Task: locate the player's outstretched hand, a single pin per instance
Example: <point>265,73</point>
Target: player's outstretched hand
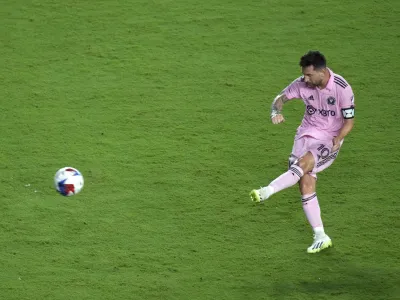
<point>278,118</point>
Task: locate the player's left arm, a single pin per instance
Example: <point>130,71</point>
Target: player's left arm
<point>347,106</point>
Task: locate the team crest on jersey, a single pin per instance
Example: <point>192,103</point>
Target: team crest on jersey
<point>331,101</point>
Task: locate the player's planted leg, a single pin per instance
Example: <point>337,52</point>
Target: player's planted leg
<point>313,213</point>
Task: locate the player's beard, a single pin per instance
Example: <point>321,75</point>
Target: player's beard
<point>311,85</point>
<point>314,85</point>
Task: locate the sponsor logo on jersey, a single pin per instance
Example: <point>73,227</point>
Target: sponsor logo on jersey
<point>323,112</point>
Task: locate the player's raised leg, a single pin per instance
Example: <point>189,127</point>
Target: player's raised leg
<point>312,211</point>
<point>287,179</point>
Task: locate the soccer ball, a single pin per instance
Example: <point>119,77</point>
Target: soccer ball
<point>68,181</point>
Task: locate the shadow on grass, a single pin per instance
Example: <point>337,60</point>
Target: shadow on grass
<point>342,280</point>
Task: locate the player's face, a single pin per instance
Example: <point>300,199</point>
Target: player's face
<point>313,77</point>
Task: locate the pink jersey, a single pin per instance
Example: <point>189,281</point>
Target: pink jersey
<point>326,109</point>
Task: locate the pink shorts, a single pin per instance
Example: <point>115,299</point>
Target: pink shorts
<point>320,149</point>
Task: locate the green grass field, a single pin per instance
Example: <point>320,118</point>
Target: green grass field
<point>164,108</point>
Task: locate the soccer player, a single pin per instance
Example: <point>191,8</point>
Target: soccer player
<point>328,118</point>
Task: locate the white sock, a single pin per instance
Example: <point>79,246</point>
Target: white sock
<point>319,232</point>
<point>266,192</point>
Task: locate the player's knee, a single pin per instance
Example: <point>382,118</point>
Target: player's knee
<point>306,162</point>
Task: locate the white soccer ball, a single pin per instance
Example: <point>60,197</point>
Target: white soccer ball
<point>68,181</point>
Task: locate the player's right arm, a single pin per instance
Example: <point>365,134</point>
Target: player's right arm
<point>276,109</point>
<point>290,92</point>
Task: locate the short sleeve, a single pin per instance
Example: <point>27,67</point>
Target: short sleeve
<point>346,98</point>
<point>293,90</point>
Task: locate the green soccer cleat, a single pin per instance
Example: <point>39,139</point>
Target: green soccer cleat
<point>320,244</point>
<point>255,196</point>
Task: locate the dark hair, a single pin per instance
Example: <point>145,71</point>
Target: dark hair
<point>313,58</point>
